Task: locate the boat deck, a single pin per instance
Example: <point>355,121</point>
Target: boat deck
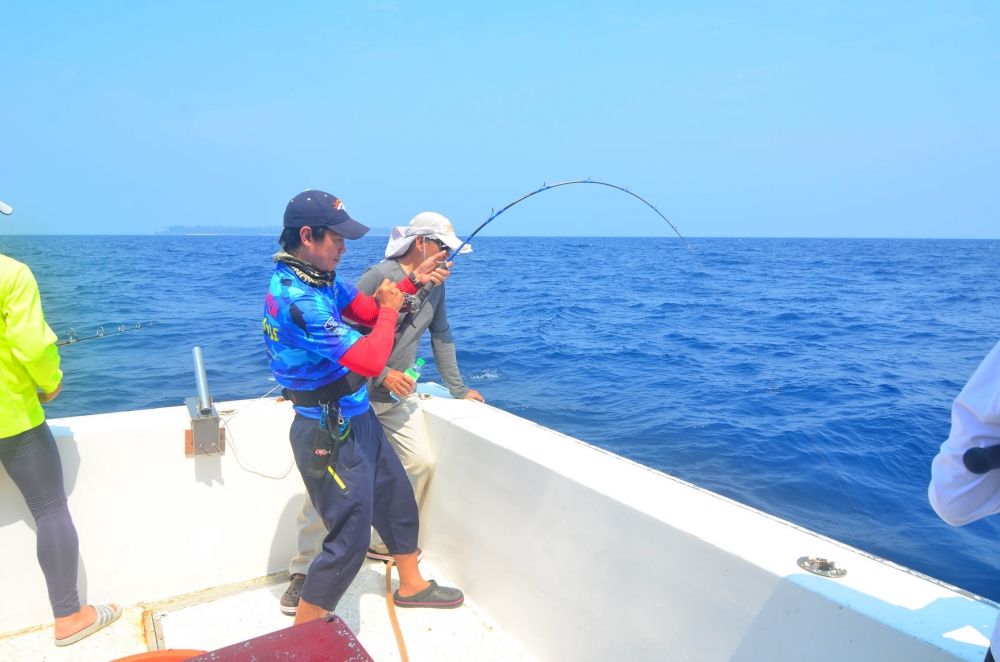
<point>219,617</point>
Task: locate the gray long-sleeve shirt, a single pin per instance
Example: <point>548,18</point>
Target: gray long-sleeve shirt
<point>432,315</point>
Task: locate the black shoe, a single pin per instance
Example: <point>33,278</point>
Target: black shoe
<point>434,596</point>
<point>290,600</point>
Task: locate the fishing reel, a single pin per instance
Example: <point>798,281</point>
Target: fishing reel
<point>411,303</point>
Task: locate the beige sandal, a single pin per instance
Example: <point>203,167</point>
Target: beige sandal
<point>106,615</point>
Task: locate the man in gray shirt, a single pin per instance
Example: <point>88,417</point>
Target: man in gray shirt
<point>401,417</point>
<point>427,234</point>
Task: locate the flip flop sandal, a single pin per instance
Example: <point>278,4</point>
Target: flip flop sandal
<point>434,596</point>
<point>106,615</point>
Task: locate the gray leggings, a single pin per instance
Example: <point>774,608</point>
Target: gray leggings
<point>32,460</point>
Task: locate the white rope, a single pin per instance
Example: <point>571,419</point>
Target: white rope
<point>232,440</point>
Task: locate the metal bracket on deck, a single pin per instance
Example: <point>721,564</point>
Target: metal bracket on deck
<point>821,567</point>
<point>205,437</point>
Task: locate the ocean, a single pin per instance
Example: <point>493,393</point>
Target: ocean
<point>809,378</point>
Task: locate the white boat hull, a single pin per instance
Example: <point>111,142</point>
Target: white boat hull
<point>574,552</point>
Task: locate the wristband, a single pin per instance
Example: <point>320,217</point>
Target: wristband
<point>413,279</point>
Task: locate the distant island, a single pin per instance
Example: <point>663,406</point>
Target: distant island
<point>264,230</point>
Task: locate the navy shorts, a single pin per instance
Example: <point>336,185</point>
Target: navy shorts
<point>376,493</point>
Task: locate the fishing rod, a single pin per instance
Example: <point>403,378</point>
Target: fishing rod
<point>424,292</point>
<point>546,187</point>
<point>72,337</point>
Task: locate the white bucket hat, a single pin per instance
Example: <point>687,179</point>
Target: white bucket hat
<point>425,224</point>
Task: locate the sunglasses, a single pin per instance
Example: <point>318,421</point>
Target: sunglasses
<point>437,242</point>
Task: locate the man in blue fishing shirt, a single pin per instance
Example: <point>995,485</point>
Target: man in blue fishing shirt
<point>392,393</point>
<point>339,446</point>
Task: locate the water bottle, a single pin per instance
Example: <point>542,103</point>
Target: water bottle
<point>413,372</point>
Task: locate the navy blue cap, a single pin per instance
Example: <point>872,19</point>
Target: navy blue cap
<point>319,208</point>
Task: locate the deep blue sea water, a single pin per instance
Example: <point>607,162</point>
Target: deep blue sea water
<point>809,378</point>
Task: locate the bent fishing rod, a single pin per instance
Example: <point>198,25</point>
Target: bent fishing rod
<point>72,337</point>
<point>422,295</point>
<point>546,187</point>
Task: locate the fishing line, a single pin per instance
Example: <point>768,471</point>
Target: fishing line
<point>72,337</point>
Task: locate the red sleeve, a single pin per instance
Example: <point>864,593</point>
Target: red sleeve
<point>368,355</point>
<point>364,310</point>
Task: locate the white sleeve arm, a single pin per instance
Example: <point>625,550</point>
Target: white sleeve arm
<point>957,495</point>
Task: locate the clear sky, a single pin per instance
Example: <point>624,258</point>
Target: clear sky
<point>795,119</point>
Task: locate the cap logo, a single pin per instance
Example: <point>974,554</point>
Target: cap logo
<point>338,205</point>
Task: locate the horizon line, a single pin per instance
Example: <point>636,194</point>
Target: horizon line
<point>505,236</point>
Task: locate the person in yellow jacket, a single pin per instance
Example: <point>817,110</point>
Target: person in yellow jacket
<point>29,377</point>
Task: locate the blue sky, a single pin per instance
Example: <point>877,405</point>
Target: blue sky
<point>839,119</point>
